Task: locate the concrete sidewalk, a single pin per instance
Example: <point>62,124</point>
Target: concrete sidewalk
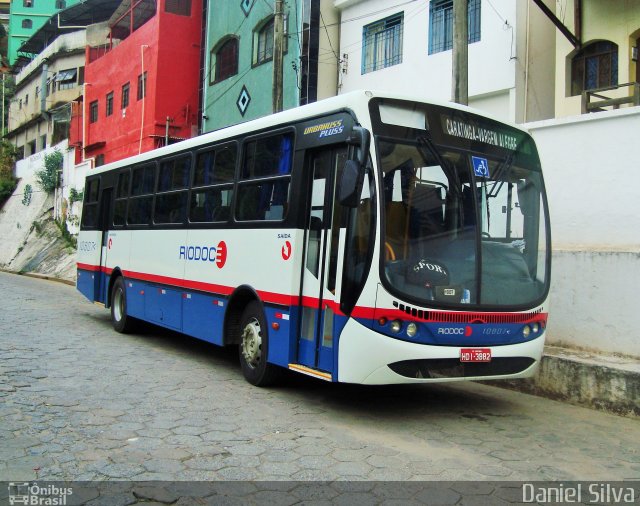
<point>599,381</point>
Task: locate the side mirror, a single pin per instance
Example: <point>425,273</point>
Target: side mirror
<point>351,183</point>
<point>353,171</point>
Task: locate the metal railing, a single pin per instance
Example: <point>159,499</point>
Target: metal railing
<point>594,100</point>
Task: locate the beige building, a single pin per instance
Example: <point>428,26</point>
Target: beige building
<point>606,60</point>
<point>39,113</point>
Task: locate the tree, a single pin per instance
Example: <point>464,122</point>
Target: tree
<point>48,178</point>
<point>8,183</point>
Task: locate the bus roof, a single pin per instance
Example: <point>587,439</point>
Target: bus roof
<point>357,101</point>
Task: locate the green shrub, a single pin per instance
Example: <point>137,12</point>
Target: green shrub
<point>26,196</point>
<point>49,177</point>
<point>69,240</point>
<point>7,186</point>
<point>75,195</point>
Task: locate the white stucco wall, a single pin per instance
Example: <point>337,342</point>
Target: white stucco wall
<point>492,63</point>
<point>591,170</point>
<point>72,177</point>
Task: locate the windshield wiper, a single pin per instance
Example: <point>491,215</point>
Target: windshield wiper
<point>425,141</point>
<point>505,166</point>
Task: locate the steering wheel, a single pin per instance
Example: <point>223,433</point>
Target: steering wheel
<point>389,253</point>
<point>486,234</point>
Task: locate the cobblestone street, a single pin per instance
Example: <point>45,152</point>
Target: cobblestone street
<point>81,402</point>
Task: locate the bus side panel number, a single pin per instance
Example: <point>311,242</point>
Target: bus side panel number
<point>475,355</point>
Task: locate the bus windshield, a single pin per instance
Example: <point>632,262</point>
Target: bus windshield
<point>463,225</point>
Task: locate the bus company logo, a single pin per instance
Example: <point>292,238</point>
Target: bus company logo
<point>286,251</point>
<point>455,331</point>
<point>214,254</point>
<point>33,494</point>
<point>326,129</point>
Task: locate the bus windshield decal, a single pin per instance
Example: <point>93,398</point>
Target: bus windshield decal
<point>469,131</point>
<point>480,166</point>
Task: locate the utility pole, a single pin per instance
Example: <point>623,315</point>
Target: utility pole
<point>460,81</point>
<point>4,74</point>
<point>278,52</point>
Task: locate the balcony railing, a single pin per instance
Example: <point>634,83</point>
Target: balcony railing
<point>95,53</point>
<point>594,100</point>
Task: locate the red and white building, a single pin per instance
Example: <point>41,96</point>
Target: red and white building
<point>142,80</point>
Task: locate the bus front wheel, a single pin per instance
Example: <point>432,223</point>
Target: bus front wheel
<point>122,322</point>
<point>254,346</point>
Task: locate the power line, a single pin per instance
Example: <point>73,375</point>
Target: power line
<point>328,37</point>
<point>298,33</point>
<point>210,103</point>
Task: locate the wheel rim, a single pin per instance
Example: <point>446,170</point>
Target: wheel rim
<point>118,305</point>
<point>251,343</point>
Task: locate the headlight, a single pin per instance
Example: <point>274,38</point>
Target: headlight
<point>526,331</point>
<point>535,327</point>
<point>412,329</point>
<point>396,326</point>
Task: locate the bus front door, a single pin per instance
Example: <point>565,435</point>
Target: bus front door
<point>322,270</point>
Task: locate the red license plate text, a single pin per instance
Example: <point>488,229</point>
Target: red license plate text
<point>475,355</point>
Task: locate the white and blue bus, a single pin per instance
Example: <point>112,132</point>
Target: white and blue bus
<point>368,238</point>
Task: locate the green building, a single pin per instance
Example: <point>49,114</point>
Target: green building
<point>239,58</point>
<point>26,17</point>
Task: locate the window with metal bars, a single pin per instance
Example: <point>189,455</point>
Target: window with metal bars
<point>142,86</point>
<point>125,95</point>
<point>109,103</point>
<point>225,57</point>
<point>441,24</point>
<point>595,66</point>
<point>93,111</point>
<point>180,7</point>
<point>264,42</point>
<point>382,43</point>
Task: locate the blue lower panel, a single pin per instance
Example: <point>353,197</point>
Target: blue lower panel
<point>135,298</point>
<point>203,316</point>
<point>88,283</point>
<point>281,347</point>
<point>163,306</point>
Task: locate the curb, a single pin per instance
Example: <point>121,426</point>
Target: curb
<point>40,276</point>
<point>602,382</point>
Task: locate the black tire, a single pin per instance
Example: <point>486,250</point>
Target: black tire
<point>121,321</point>
<point>253,348</point>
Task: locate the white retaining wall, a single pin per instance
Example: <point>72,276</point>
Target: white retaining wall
<point>16,218</point>
<point>592,174</point>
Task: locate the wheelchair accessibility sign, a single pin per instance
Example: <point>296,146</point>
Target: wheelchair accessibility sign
<point>480,166</point>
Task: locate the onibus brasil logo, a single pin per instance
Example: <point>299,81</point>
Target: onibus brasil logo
<point>36,495</point>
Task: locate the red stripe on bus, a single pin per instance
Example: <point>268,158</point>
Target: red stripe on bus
<point>359,312</point>
<point>88,267</point>
<point>94,268</point>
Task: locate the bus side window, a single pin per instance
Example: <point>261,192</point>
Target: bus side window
<point>122,194</point>
<point>267,157</point>
<point>90,207</point>
<point>210,204</point>
<point>140,203</point>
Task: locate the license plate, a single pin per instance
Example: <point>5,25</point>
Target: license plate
<point>475,355</point>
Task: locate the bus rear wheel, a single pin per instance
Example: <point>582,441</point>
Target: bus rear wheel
<point>254,347</point>
<point>122,322</point>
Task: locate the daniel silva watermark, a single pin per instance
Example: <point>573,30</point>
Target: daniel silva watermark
<point>584,493</point>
